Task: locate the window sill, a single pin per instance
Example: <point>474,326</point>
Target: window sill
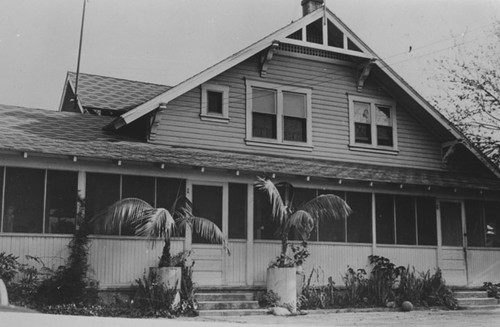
<point>216,119</point>
<point>276,145</point>
<point>373,149</point>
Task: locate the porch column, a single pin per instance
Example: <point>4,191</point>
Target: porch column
<point>374,227</point>
<point>250,244</point>
<point>82,189</point>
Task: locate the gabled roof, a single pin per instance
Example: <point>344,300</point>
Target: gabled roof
<point>71,134</point>
<point>282,35</point>
<point>109,93</point>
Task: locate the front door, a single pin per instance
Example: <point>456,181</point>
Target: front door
<point>453,254</point>
<point>209,201</point>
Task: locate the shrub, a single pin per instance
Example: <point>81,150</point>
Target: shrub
<point>410,287</point>
<point>435,291</point>
<point>9,267</point>
<point>268,299</point>
<point>493,290</point>
<point>382,279</point>
<point>356,288</point>
<point>318,297</point>
<point>152,297</point>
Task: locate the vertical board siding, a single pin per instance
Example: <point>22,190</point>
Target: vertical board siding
<point>180,124</point>
<point>422,259</point>
<point>483,266</point>
<point>330,260</point>
<point>235,263</point>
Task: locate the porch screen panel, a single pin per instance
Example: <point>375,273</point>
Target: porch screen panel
<point>170,191</point>
<point>426,221</point>
<point>60,209</point>
<point>264,227</point>
<point>1,196</point>
<point>359,223</point>
<point>451,223</point>
<point>24,191</point>
<point>384,206</point>
<point>300,197</point>
<point>332,230</point>
<point>140,187</point>
<point>474,217</point>
<point>207,203</point>
<point>405,220</point>
<point>492,219</point>
<point>237,211</point>
<point>102,191</point>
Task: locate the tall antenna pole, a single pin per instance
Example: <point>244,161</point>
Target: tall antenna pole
<point>79,55</point>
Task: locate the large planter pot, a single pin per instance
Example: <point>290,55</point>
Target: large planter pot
<point>171,278</point>
<point>283,282</point>
<point>300,279</point>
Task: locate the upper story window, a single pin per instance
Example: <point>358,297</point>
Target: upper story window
<point>372,123</point>
<point>278,115</point>
<point>215,103</point>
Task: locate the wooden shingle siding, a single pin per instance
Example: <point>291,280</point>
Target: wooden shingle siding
<point>330,83</point>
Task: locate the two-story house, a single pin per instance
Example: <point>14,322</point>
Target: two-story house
<point>310,104</point>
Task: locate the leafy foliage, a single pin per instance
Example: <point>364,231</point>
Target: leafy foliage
<point>410,287</point>
<point>471,93</point>
<point>382,279</point>
<point>493,290</point>
<point>436,292</point>
<point>268,299</point>
<point>318,297</point>
<point>9,267</point>
<point>356,286</point>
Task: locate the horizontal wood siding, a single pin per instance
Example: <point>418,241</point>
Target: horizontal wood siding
<point>180,123</point>
<point>207,270</point>
<point>453,266</point>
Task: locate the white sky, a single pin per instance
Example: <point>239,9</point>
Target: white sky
<point>167,41</point>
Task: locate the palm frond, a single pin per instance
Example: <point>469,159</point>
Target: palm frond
<point>327,207</point>
<point>278,208</point>
<point>208,230</point>
<point>302,221</point>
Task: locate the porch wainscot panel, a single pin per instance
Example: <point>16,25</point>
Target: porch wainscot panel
<point>422,258</point>
<point>483,266</point>
<point>331,259</point>
<point>119,261</point>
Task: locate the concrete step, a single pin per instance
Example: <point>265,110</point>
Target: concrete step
<point>225,296</point>
<point>243,312</point>
<point>463,302</point>
<point>227,305</point>
<point>471,294</point>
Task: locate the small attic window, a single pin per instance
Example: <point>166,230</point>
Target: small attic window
<point>314,32</point>
<point>335,36</point>
<point>352,46</point>
<point>215,103</point>
<point>297,35</point>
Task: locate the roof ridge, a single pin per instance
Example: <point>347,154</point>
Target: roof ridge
<point>118,78</point>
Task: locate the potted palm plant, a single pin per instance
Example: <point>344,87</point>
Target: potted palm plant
<point>281,274</point>
<point>161,224</point>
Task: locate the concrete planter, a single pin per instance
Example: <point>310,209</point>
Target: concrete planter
<point>283,282</point>
<point>171,278</point>
<point>300,279</point>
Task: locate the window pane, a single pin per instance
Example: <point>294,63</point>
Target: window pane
<point>384,205</point>
<point>359,223</point>
<point>207,203</point>
<point>214,102</point>
<point>300,197</point>
<point>24,189</point>
<point>294,105</point>
<point>102,191</point>
<point>140,187</point>
<point>237,211</point>
<point>264,125</point>
<point>492,219</point>
<point>384,116</point>
<point>363,133</point>
<point>426,221</point>
<point>384,135</point>
<point>264,227</point>
<point>263,101</point>
<point>295,129</point>
<point>405,220</point>
<point>168,190</point>
<point>362,112</point>
<point>62,194</point>
<point>332,230</point>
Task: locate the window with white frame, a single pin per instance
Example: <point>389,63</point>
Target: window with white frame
<point>372,123</point>
<point>215,103</point>
<point>278,115</point>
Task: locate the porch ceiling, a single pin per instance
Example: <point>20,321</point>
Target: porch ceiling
<point>68,134</point>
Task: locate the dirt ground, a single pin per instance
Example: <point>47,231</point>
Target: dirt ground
<point>432,318</point>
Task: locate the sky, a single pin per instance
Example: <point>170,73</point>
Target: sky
<point>168,41</point>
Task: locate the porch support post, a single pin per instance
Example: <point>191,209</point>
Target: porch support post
<point>188,237</point>
<point>439,249</point>
<point>374,227</point>
<point>81,188</point>
<point>250,243</point>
